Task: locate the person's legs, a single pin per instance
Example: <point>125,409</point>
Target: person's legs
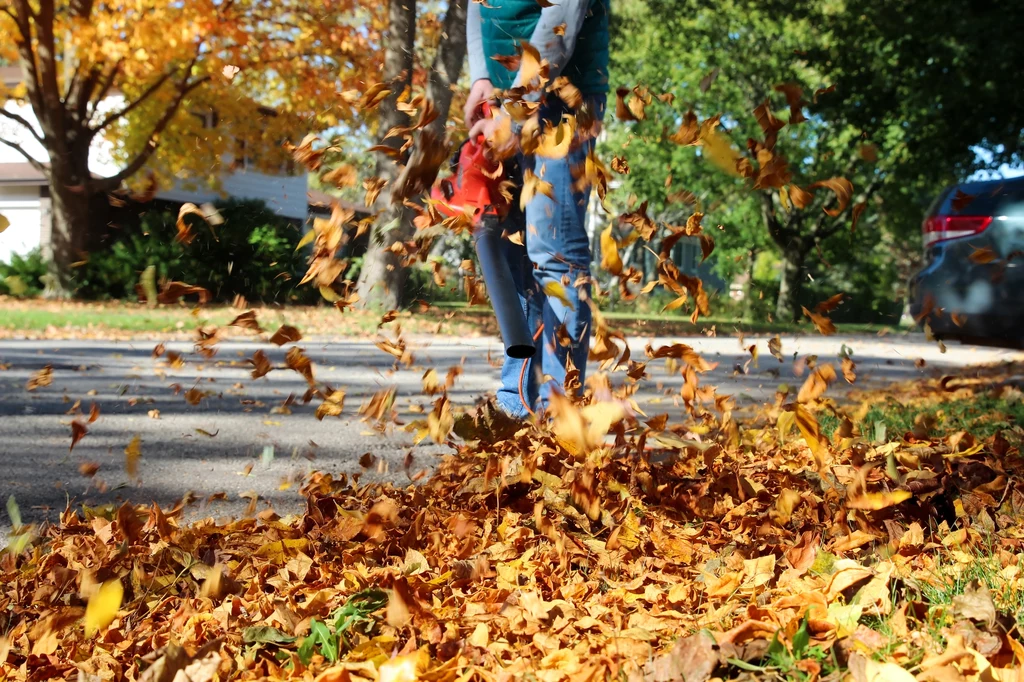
<point>559,248</point>
<point>518,384</point>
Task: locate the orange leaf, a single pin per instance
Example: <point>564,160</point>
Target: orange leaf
<point>823,324</point>
<point>843,189</point>
<point>817,383</point>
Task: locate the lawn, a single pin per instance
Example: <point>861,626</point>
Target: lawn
<point>53,319</point>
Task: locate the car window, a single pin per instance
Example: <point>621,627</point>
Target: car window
<point>1001,197</point>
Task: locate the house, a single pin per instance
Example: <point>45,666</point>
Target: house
<point>25,195</point>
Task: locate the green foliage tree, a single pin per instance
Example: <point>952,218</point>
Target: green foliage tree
<point>252,254</point>
<point>868,119</point>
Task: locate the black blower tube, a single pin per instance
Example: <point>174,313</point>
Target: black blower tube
<point>502,289</point>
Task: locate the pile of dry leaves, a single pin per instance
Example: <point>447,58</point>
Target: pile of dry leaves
<point>593,547</point>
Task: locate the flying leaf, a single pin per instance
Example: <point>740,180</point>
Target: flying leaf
<point>132,453</point>
<point>533,185</point>
<point>707,245</point>
<point>247,320</point>
<point>610,259</point>
<point>40,378</point>
<point>843,189</point>
<point>556,290</point>
<point>858,208</point>
<point>849,369</point>
<point>800,197</point>
<point>982,256</point>
<point>286,334</point>
<point>823,91</point>
<point>794,98</point>
<point>719,150</point>
<point>770,125</point>
<point>103,606</point>
<point>173,291</point>
<point>829,304</point>
<point>623,112</point>
<point>207,212</point>
<point>530,65</point>
<point>4,223</point>
<point>817,383</point>
<point>706,81</point>
<point>78,431</point>
<point>689,131</point>
<point>876,501</point>
<point>962,200</point>
<point>822,323</point>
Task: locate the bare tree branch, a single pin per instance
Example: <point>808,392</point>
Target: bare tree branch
<point>38,165</point>
<point>22,18</point>
<point>104,89</point>
<point>131,106</point>
<point>24,123</point>
<point>114,181</point>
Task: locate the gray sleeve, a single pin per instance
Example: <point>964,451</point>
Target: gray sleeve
<point>557,49</point>
<point>475,44</point>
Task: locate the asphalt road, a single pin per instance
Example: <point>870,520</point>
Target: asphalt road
<point>238,441</point>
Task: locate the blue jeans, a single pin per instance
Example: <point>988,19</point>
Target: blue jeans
<point>556,247</point>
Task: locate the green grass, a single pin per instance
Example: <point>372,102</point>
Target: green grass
<point>131,320</point>
<point>980,415</point>
<point>667,323</point>
<point>139,319</point>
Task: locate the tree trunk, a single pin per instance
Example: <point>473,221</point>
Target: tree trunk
<point>748,286</point>
<point>382,279</point>
<point>71,226</point>
<point>788,306</point>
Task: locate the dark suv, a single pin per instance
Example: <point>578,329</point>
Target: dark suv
<point>971,287</point>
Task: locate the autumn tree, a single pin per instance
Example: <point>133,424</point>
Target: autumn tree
<point>150,76</point>
<point>383,275</point>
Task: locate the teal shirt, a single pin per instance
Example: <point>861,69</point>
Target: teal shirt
<point>505,23</point>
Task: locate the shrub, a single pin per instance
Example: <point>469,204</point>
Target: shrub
<point>252,253</point>
<point>23,275</point>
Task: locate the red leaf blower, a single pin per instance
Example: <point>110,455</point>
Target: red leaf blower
<point>473,189</point>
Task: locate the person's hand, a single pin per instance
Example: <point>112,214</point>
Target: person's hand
<point>481,91</point>
<point>497,134</point>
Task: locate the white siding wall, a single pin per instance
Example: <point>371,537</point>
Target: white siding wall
<point>21,206</point>
<point>285,195</point>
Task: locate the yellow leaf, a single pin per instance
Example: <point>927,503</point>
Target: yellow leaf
<point>785,425</point>
<point>4,222</point>
<point>406,668</point>
<point>718,150</point>
<point>306,239</point>
<point>103,606</point>
<point>786,502</point>
<point>132,453</point>
<point>759,571</point>
<point>277,551</point>
<point>885,672</point>
<point>600,417</point>
<point>554,142</point>
<point>532,185</point>
<point>610,259</point>
<point>530,64</point>
<point>876,501</point>
<point>811,432</point>
<point>556,290</point>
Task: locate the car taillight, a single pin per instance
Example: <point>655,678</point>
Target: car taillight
<point>942,227</point>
